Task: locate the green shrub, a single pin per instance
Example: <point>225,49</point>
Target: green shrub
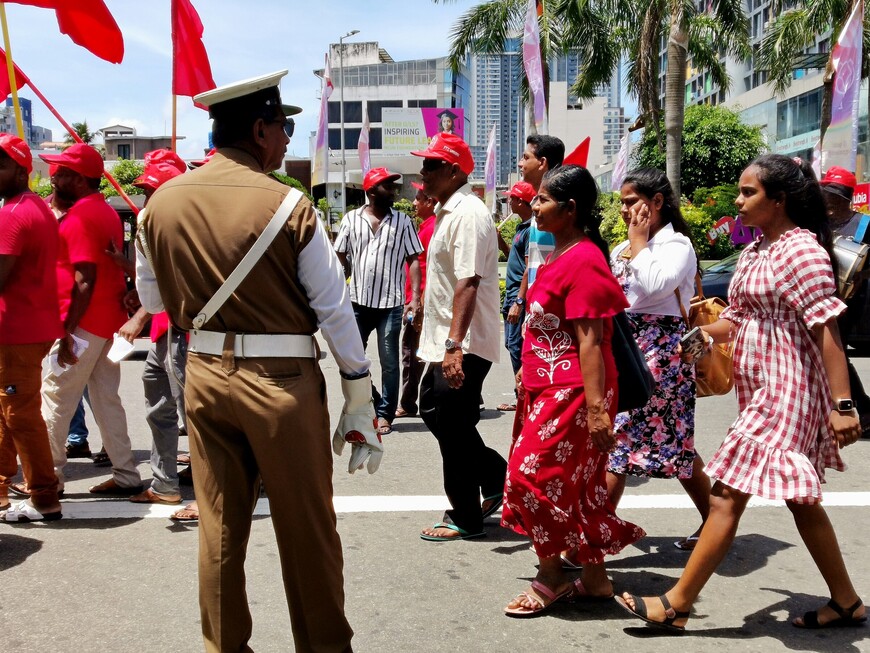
<point>613,228</point>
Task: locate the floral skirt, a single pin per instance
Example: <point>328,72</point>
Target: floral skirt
<point>658,440</point>
<point>556,490</point>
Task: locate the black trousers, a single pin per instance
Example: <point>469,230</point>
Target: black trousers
<point>471,469</point>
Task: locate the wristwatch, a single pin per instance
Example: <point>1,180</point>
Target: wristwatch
<point>452,344</point>
<point>519,301</point>
<point>845,405</point>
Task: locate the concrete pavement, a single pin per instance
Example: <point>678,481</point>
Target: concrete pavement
<point>123,580</point>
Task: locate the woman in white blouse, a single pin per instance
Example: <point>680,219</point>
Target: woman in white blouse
<point>658,440</point>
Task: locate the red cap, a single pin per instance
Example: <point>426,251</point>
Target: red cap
<point>205,159</point>
<point>156,174</point>
<point>80,158</point>
<point>165,156</point>
<point>17,150</point>
<point>450,148</point>
<point>377,176</point>
<point>52,169</point>
<point>841,176</point>
<point>417,186</point>
<point>522,190</point>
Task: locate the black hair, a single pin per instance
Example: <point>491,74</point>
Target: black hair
<point>794,182</point>
<point>576,183</point>
<point>547,147</point>
<point>233,119</point>
<point>650,182</point>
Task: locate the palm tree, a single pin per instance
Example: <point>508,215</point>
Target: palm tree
<point>603,31</point>
<point>795,29</point>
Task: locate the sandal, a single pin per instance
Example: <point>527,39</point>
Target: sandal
<point>101,458</point>
<point>568,564</point>
<point>687,543</point>
<point>384,427</point>
<point>505,408</point>
<point>542,592</point>
<point>23,512</point>
<point>188,513</point>
<point>493,507</point>
<point>579,594</point>
<point>846,618</point>
<point>462,534</point>
<point>640,612</point>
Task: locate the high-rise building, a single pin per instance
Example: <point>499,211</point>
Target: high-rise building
<point>33,134</point>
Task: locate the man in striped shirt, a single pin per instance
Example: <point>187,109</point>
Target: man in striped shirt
<point>373,244</point>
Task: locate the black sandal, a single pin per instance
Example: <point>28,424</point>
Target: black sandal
<point>671,615</point>
<point>847,618</point>
<point>101,458</point>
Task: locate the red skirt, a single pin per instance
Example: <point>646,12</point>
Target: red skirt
<point>556,488</point>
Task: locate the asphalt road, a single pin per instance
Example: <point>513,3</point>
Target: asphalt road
<point>112,576</point>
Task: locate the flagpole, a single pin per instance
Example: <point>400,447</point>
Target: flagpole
<point>174,120</point>
<point>72,132</point>
<point>10,69</point>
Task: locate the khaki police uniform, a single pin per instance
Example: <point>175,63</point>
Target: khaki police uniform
<point>251,417</point>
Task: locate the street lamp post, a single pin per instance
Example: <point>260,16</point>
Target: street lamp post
<point>341,115</point>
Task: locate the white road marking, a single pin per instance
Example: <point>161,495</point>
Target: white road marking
<point>122,509</point>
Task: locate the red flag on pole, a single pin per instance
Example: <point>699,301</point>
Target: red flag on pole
<point>20,78</point>
<point>580,154</point>
<point>89,23</point>
<point>191,71</point>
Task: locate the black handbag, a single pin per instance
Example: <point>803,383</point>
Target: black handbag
<point>636,382</point>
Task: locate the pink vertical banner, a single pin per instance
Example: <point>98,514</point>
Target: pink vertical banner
<point>621,165</point>
<point>365,157</point>
<point>489,172</point>
<point>533,65</point>
<point>840,146</point>
<point>320,173</point>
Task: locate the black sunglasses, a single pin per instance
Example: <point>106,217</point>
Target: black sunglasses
<point>430,165</point>
<point>288,124</point>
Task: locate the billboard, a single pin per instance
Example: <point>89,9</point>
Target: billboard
<point>404,130</point>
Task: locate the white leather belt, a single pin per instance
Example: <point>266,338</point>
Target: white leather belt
<point>254,345</point>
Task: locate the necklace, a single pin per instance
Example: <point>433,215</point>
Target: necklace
<point>564,248</point>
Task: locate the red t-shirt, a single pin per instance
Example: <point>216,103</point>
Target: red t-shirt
<point>578,284</point>
<point>28,301</point>
<point>424,233</point>
<point>85,232</point>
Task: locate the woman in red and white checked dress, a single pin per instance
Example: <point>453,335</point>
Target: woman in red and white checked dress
<point>556,489</point>
<point>792,390</point>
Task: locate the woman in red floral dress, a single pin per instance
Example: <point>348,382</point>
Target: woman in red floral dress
<point>556,490</point>
<point>792,391</point>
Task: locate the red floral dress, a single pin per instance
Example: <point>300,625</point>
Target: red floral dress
<point>555,489</point>
<point>781,442</point>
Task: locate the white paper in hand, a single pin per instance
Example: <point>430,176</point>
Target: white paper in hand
<point>79,346</point>
<point>120,349</point>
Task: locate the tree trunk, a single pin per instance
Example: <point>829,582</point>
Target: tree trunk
<point>675,90</point>
<point>827,98</point>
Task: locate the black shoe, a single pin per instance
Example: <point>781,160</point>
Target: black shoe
<point>78,450</point>
<point>101,458</point>
<point>185,477</point>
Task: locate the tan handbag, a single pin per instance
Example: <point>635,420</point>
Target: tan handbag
<point>714,373</point>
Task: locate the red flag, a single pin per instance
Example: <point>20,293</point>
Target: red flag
<point>191,71</point>
<point>20,77</point>
<point>89,23</point>
<point>580,154</point>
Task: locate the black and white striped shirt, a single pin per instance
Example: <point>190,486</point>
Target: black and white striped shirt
<point>377,259</point>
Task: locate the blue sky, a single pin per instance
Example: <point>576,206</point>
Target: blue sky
<point>243,39</point>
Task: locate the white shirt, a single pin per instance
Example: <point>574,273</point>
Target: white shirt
<point>667,262</point>
<point>463,245</point>
<point>321,275</point>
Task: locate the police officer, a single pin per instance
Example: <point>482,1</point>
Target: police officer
<point>255,396</point>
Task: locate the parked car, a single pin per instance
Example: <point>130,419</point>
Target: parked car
<point>717,278</point>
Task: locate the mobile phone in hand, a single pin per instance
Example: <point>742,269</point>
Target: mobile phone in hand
<point>694,345</point>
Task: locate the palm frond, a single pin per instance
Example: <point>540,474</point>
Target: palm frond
<point>786,37</point>
<point>484,29</point>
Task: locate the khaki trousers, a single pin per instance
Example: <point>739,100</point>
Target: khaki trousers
<point>253,419</point>
<point>61,394</point>
<point>22,429</point>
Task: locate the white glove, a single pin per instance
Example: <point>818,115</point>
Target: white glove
<point>358,425</point>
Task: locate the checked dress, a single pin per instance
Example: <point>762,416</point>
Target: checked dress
<point>556,481</point>
<point>781,442</point>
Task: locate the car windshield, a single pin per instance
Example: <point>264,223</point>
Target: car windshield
<point>727,264</point>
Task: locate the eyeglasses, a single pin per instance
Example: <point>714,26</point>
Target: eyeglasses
<point>288,124</point>
<point>431,165</point>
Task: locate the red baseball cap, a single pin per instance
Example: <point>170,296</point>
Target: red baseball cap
<point>156,174</point>
<point>165,156</point>
<point>522,190</point>
<point>450,148</point>
<point>80,158</point>
<point>201,162</point>
<point>377,176</point>
<point>17,150</point>
<point>838,175</point>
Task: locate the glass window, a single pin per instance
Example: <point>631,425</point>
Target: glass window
<point>124,151</point>
<point>374,108</point>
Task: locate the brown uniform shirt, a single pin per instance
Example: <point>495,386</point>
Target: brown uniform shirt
<point>201,224</point>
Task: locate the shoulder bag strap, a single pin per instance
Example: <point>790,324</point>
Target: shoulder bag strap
<point>250,259</point>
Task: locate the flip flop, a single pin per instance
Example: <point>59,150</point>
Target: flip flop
<point>687,543</point>
<point>846,618</point>
<point>23,512</point>
<point>505,408</point>
<point>185,514</point>
<point>579,594</point>
<point>384,427</point>
<point>542,591</point>
<point>568,564</point>
<point>494,508</point>
<point>641,613</point>
<point>463,534</point>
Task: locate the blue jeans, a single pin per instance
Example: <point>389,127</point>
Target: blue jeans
<point>513,340</point>
<point>388,324</point>
<point>78,430</point>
